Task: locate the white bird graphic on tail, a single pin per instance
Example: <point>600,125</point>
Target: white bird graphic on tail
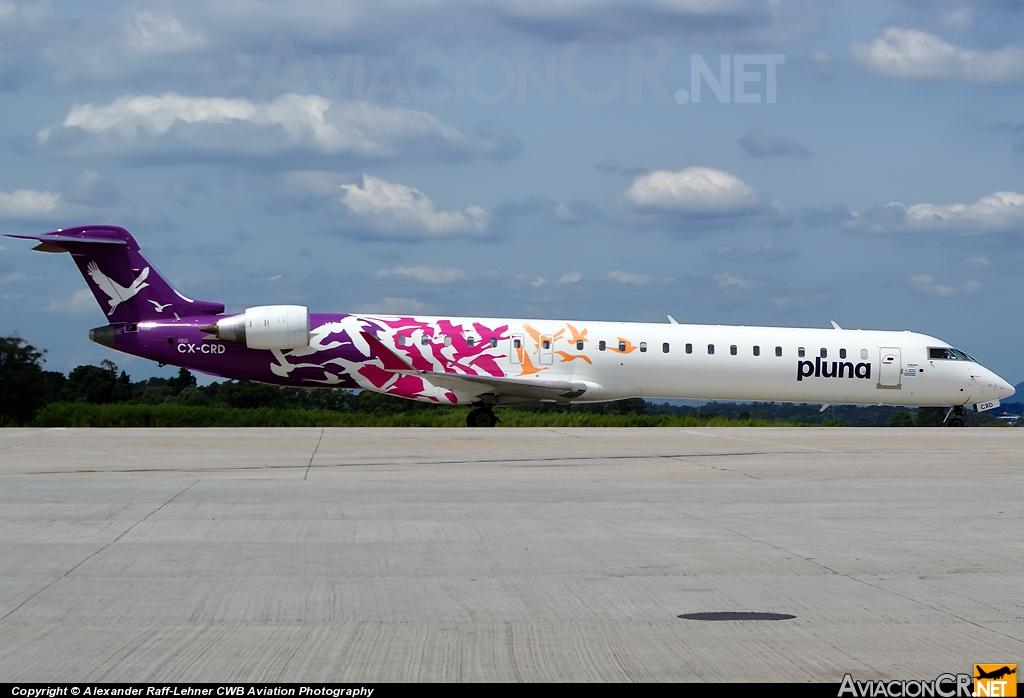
<point>117,293</point>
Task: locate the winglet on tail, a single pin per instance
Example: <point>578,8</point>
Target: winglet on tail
<point>125,285</point>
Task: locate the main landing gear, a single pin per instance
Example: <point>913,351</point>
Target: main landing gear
<point>481,417</point>
<point>955,416</point>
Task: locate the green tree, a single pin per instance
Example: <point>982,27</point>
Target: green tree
<point>95,384</point>
<point>930,416</point>
<point>183,380</point>
<point>23,385</point>
<point>901,418</point>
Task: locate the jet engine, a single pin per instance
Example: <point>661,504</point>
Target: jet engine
<point>265,327</point>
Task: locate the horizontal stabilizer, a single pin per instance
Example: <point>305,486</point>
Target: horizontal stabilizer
<point>54,239</point>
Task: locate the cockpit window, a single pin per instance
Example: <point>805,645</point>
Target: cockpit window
<point>949,353</point>
<point>964,356</point>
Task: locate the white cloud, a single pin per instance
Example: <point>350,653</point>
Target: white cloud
<point>738,20</point>
<point>29,204</point>
<point>820,58</point>
<point>159,33</point>
<point>404,212</point>
<point>86,197</point>
<point>392,306</point>
<point>999,212</point>
<point>928,284</point>
<point>698,192</point>
<point>570,277</point>
<point>758,145</point>
<point>635,279</point>
<point>977,262</point>
<point>80,300</point>
<point>564,214</point>
<point>730,281</point>
<point>183,126</point>
<point>535,281</point>
<point>914,54</point>
<point>12,277</point>
<point>739,282</point>
<point>429,275</point>
<point>958,19</point>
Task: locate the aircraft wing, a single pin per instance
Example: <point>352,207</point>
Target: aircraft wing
<point>530,389</point>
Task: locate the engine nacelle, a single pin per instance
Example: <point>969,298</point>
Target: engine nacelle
<point>266,327</point>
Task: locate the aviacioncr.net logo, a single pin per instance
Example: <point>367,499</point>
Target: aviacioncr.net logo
<point>943,686</point>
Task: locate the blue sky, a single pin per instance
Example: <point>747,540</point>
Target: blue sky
<point>858,162</point>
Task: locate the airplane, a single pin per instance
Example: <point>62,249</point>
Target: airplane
<point>995,674</point>
<point>485,362</point>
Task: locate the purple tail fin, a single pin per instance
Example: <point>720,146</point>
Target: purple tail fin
<point>125,285</point>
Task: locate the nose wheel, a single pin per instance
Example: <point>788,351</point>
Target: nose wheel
<point>481,417</point>
<point>955,416</point>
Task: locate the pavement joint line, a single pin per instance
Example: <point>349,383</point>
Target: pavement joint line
<point>774,443</point>
<point>641,455</point>
<point>825,567</point>
<point>32,432</point>
<point>683,457</point>
<point>313,455</point>
<point>96,552</point>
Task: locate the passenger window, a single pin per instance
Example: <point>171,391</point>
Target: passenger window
<point>824,352</point>
<point>643,347</point>
<point>864,353</point>
<point>401,340</point>
<point>732,350</point>
<point>689,348</point>
<point>778,351</point>
<point>579,345</point>
<point>447,340</point>
<point>842,353</point>
<point>711,349</point>
<point>494,342</point>
<point>664,348</point>
<point>757,350</point>
<point>470,341</point>
<point>517,343</point>
<point>800,352</point>
<point>602,345</point>
<point>424,340</point>
<point>547,343</point>
<point>622,346</point>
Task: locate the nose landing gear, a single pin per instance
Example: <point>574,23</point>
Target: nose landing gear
<point>955,416</point>
<point>481,417</point>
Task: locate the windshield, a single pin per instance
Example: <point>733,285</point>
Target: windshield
<point>949,353</point>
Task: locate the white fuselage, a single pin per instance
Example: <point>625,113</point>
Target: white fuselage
<point>721,362</point>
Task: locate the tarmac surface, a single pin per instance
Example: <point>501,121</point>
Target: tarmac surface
<point>365,555</point>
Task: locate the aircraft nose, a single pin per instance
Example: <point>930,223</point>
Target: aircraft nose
<point>1004,389</point>
<point>998,387</point>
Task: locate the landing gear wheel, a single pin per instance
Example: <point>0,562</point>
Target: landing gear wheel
<point>481,418</point>
<point>955,422</point>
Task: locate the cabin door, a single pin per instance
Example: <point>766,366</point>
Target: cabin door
<point>890,367</point>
